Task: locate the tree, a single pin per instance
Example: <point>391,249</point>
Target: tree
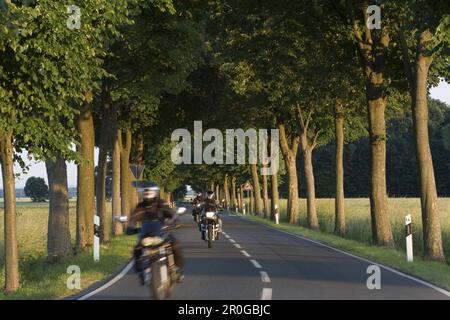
<point>36,189</point>
<point>424,31</point>
<point>373,47</point>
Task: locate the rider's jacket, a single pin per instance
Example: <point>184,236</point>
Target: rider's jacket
<point>211,205</point>
<point>152,210</point>
<point>197,200</point>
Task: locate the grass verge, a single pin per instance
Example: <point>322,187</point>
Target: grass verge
<point>437,273</point>
<point>42,280</point>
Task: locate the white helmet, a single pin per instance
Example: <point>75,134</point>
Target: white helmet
<point>150,193</point>
<point>210,194</point>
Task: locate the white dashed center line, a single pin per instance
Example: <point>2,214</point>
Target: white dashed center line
<point>245,253</point>
<point>264,276</point>
<point>256,264</point>
<point>266,292</point>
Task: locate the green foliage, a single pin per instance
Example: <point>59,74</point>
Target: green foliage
<point>36,189</point>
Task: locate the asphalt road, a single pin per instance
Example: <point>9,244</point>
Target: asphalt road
<point>253,262</point>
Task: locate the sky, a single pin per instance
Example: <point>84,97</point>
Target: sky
<point>37,169</point>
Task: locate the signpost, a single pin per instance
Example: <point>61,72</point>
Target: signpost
<point>409,244</point>
<point>96,238</point>
<point>247,187</point>
<point>137,170</point>
<point>277,215</point>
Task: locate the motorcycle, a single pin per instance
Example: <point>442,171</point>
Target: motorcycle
<point>157,265</point>
<point>210,226</point>
<point>155,261</point>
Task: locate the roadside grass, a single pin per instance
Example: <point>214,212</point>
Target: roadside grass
<point>357,241</point>
<point>42,280</point>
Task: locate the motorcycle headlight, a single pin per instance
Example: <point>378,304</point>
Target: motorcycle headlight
<point>210,215</point>
<point>152,241</point>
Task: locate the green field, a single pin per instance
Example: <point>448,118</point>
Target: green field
<point>41,280</point>
<point>358,219</point>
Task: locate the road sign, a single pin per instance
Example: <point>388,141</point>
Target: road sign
<point>247,186</point>
<point>137,170</point>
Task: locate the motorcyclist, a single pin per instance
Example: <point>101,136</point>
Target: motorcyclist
<point>153,212</point>
<point>211,204</point>
<point>195,210</point>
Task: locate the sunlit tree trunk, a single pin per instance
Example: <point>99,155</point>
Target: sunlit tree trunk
<point>233,193</point>
<point>432,234</point>
<point>11,257</point>
<point>290,155</point>
<point>58,236</point>
<point>85,183</point>
<point>116,205</point>
<point>339,225</point>
<point>265,193</point>
<point>125,173</point>
<point>257,190</point>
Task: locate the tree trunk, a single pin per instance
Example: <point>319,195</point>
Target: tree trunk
<point>241,199</point>
<point>339,225</point>
<point>275,198</point>
<point>257,190</point>
<point>381,226</point>
<point>226,189</point>
<point>290,155</point>
<point>265,196</point>
<point>312,220</point>
<point>432,237</point>
<point>217,192</point>
<point>85,179</point>
<point>234,205</point>
<point>373,53</point>
<point>252,203</point>
<point>58,236</point>
<point>125,173</point>
<point>116,206</point>
<point>102,172</point>
<point>10,228</point>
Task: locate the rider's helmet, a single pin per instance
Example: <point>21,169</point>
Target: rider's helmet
<point>210,194</point>
<point>150,193</point>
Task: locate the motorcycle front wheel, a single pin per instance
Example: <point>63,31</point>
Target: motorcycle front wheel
<point>160,286</point>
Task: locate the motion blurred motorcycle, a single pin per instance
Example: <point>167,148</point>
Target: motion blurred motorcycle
<point>154,258</point>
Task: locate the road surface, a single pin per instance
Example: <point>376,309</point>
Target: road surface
<point>253,262</point>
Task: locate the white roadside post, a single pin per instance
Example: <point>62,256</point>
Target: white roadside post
<point>277,215</point>
<point>409,244</point>
<point>96,238</point>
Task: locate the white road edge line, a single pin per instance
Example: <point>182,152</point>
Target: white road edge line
<point>232,241</point>
<point>432,286</point>
<point>264,277</point>
<point>109,283</point>
<point>245,253</point>
<point>266,294</point>
<point>227,236</point>
<point>256,264</point>
<point>237,245</point>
